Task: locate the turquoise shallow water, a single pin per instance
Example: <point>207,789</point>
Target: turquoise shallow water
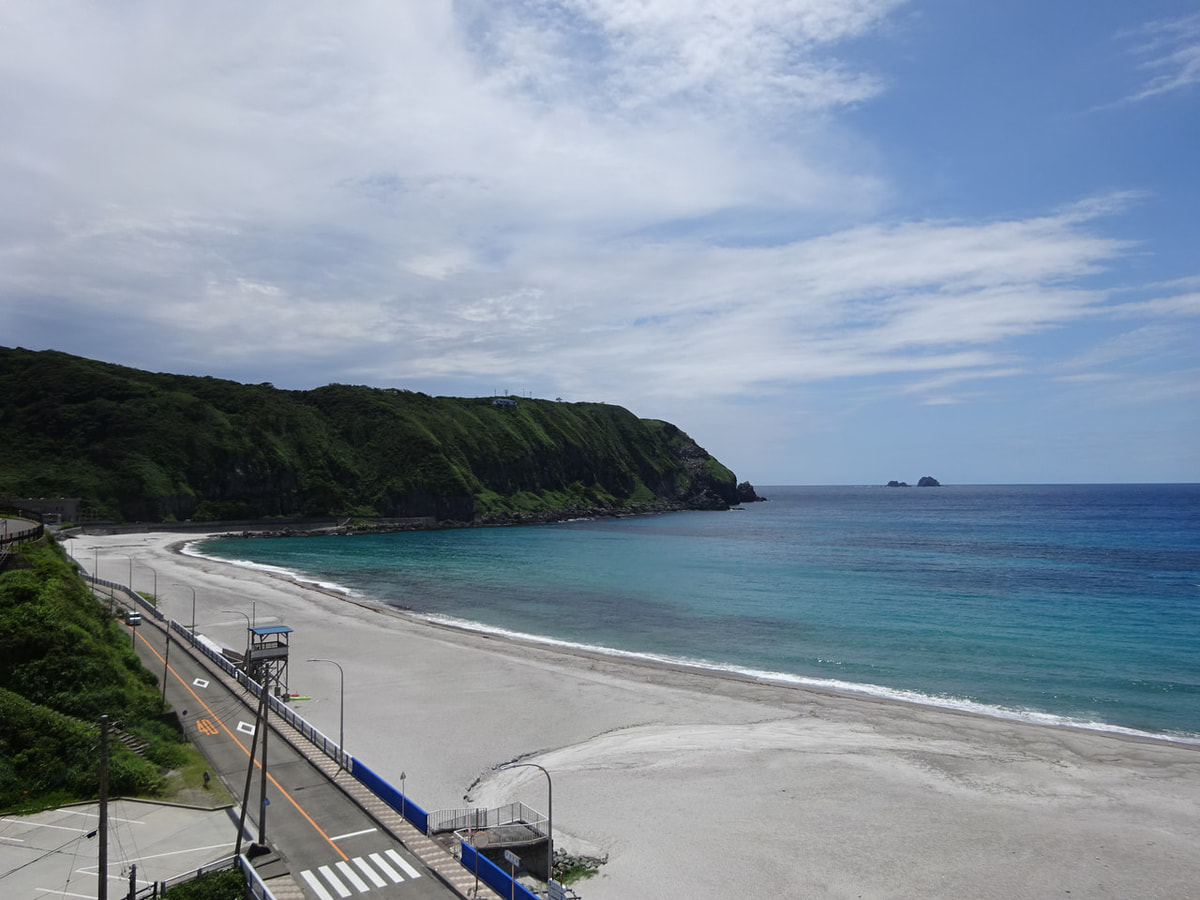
<point>1057,603</point>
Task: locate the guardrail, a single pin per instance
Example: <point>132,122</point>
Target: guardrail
<point>492,875</point>
<point>518,813</point>
<point>10,537</point>
<point>255,887</point>
<point>487,871</point>
<point>392,797</point>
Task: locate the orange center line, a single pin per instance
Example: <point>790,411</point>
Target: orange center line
<point>225,728</point>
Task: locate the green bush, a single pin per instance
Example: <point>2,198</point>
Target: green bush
<point>63,664</point>
<point>227,885</point>
<point>157,447</point>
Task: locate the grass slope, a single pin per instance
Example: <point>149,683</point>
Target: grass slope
<point>64,662</point>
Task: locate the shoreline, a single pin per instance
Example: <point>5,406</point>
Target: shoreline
<point>698,667</point>
<point>710,784</point>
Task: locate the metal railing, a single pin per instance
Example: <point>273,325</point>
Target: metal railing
<point>314,736</point>
<point>323,743</point>
<point>510,814</point>
<point>256,888</point>
<point>36,528</point>
<point>480,818</point>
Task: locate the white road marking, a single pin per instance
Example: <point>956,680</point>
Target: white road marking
<point>46,825</point>
<point>334,881</point>
<point>352,876</point>
<point>387,870</point>
<point>318,888</point>
<point>402,863</point>
<point>342,837</point>
<point>201,682</point>
<point>245,728</point>
<point>369,872</point>
<point>96,815</point>
<point>188,850</point>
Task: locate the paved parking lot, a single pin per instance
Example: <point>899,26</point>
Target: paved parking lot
<point>51,855</point>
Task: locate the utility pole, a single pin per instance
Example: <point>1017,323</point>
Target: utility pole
<point>102,887</point>
<point>266,728</point>
<point>262,699</point>
<point>166,668</point>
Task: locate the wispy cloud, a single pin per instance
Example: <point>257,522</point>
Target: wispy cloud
<point>628,58</point>
<point>1170,52</point>
<point>634,200</point>
<point>1178,305</point>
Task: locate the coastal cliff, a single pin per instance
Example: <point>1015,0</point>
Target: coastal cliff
<point>141,446</point>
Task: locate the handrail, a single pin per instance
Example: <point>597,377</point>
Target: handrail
<point>33,533</point>
<point>479,818</point>
<point>368,779</point>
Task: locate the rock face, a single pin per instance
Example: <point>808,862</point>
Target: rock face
<point>747,494</point>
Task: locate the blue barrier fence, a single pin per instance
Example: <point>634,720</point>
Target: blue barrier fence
<point>392,797</point>
<point>492,875</point>
<point>488,872</point>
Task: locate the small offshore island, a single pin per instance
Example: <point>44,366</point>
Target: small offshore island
<point>926,481</point>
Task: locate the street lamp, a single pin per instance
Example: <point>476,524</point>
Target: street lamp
<point>193,590</point>
<point>155,571</point>
<point>246,657</point>
<point>341,711</point>
<point>549,815</point>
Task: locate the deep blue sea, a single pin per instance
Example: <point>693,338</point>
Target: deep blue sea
<point>1057,603</point>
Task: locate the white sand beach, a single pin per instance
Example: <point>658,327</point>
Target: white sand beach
<point>703,786</point>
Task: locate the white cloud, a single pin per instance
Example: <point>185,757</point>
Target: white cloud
<point>1179,305</point>
<point>631,56</point>
<point>632,200</point>
<point>1170,49</point>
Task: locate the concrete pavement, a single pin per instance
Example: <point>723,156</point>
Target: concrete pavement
<point>53,854</point>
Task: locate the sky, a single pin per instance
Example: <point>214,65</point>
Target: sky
<point>835,241</point>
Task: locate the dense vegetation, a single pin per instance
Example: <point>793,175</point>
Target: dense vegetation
<point>64,662</point>
<point>227,885</point>
<point>154,447</point>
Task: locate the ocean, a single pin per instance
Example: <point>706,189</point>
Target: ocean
<point>1062,604</point>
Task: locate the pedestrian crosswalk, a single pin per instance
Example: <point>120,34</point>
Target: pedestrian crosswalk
<point>344,879</point>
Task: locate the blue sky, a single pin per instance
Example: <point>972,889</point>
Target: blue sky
<point>837,241</point>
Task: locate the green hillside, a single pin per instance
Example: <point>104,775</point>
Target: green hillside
<point>64,662</point>
<point>141,446</point>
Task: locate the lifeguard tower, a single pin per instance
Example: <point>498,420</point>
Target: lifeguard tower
<point>267,659</point>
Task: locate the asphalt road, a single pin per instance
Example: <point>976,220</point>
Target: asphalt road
<point>331,847</point>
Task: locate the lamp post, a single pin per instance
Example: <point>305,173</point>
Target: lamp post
<point>549,815</point>
<point>155,571</point>
<point>341,711</point>
<point>246,656</point>
<point>193,590</point>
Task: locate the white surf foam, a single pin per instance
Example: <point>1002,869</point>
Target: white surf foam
<point>828,684</point>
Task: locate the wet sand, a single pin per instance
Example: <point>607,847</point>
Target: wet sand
<point>706,786</point>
